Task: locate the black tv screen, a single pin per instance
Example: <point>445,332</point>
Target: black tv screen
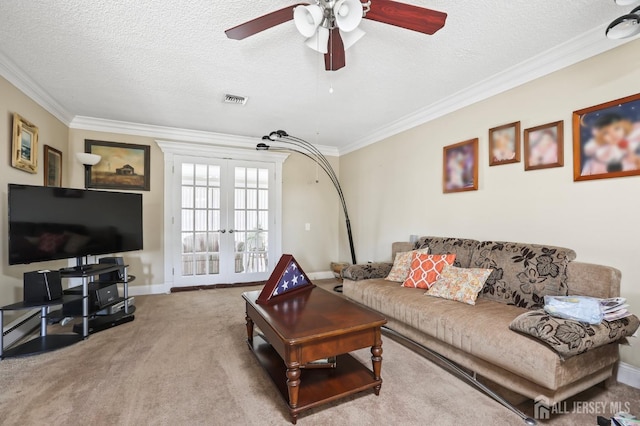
<point>47,223</point>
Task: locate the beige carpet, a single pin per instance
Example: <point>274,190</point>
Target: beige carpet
<point>184,361</point>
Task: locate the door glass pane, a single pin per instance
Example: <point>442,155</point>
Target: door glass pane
<point>251,219</point>
<point>200,219</point>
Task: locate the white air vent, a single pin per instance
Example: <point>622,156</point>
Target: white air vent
<point>233,99</point>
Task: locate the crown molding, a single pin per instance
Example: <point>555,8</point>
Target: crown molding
<point>215,150</point>
<point>14,75</point>
<point>175,134</point>
<point>572,51</point>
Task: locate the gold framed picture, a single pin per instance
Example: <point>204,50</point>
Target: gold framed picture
<point>52,167</point>
<point>24,147</point>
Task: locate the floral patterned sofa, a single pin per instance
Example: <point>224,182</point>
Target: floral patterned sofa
<point>477,337</point>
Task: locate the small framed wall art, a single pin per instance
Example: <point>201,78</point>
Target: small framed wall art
<point>460,167</point>
<point>606,140</point>
<point>544,146</point>
<point>123,166</point>
<point>24,147</point>
<point>504,144</point>
<point>52,167</point>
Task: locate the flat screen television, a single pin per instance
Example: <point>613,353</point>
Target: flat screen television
<point>47,223</point>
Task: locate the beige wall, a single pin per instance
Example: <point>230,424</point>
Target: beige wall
<point>394,187</point>
<point>51,132</point>
<point>148,264</point>
<point>305,201</point>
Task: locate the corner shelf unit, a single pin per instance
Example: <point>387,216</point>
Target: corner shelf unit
<point>49,342</point>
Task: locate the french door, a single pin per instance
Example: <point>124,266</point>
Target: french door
<point>223,223</point>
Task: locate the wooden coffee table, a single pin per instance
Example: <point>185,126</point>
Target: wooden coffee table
<point>307,327</point>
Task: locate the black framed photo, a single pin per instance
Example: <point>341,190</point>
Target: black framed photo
<point>52,167</point>
<point>122,166</point>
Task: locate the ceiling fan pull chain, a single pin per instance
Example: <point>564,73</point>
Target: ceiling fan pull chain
<point>366,7</point>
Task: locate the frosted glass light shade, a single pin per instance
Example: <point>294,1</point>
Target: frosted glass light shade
<point>88,159</point>
<point>307,19</point>
<point>319,41</point>
<point>350,38</point>
<point>624,27</point>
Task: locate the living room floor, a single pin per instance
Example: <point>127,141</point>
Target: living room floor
<point>184,361</point>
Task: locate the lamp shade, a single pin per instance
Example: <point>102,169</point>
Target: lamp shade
<point>319,41</point>
<point>88,159</point>
<point>307,19</point>
<point>350,38</point>
<point>625,26</point>
<point>348,14</point>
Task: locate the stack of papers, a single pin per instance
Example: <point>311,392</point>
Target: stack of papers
<point>614,308</point>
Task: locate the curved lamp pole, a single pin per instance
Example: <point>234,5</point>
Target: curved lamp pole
<point>300,146</point>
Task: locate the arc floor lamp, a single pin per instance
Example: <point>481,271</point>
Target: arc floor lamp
<point>285,142</point>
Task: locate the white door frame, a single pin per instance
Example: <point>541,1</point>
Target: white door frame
<point>171,149</point>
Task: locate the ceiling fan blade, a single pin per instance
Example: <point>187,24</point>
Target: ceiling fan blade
<point>262,23</point>
<point>334,59</point>
<point>407,16</point>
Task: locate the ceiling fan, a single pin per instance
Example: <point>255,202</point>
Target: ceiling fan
<point>331,26</point>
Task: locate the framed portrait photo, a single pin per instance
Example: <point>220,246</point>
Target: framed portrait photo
<point>52,167</point>
<point>544,146</point>
<point>24,147</point>
<point>122,166</point>
<point>460,167</point>
<point>504,144</point>
<point>606,140</point>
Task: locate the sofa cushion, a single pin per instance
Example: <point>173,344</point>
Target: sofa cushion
<point>481,330</point>
<point>402,265</point>
<point>366,271</point>
<point>569,337</point>
<point>461,247</point>
<point>459,284</point>
<point>426,268</point>
<point>523,273</point>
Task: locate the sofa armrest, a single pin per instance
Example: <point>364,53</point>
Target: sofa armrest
<point>367,271</point>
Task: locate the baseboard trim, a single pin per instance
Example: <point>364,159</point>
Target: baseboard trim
<point>20,327</point>
<point>214,286</point>
<point>629,375</point>
<point>322,275</point>
<point>142,290</point>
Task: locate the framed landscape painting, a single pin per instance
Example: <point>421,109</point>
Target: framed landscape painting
<point>543,146</point>
<point>122,166</point>
<point>504,144</point>
<point>52,167</point>
<point>24,147</point>
<point>460,167</point>
<point>606,140</point>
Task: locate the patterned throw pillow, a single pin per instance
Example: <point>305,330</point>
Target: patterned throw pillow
<point>426,268</point>
<point>568,337</point>
<point>402,265</point>
<point>460,284</point>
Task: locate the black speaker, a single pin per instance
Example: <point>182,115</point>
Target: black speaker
<point>42,286</point>
<point>114,275</point>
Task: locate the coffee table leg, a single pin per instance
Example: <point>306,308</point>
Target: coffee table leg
<point>249,329</point>
<point>293,383</point>
<point>376,358</point>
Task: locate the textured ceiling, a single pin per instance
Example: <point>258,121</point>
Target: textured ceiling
<point>169,63</point>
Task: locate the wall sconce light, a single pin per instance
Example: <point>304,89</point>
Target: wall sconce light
<point>88,160</point>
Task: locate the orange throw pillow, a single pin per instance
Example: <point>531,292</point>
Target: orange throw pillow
<point>426,269</point>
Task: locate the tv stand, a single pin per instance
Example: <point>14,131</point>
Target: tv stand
<point>48,342</point>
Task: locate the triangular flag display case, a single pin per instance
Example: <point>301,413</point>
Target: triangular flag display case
<point>287,279</point>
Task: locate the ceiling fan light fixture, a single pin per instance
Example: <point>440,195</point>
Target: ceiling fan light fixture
<point>350,38</point>
<point>319,41</point>
<point>624,2</point>
<point>348,14</point>
<point>624,27</point>
<point>307,19</point>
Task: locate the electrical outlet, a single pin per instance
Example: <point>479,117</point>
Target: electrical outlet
<point>307,227</point>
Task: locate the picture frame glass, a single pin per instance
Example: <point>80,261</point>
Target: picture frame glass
<point>460,167</point>
<point>122,166</point>
<point>607,140</point>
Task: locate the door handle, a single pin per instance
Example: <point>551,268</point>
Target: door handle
<point>222,231</point>
<point>231,231</point>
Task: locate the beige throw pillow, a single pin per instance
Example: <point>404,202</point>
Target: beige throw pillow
<point>402,265</point>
